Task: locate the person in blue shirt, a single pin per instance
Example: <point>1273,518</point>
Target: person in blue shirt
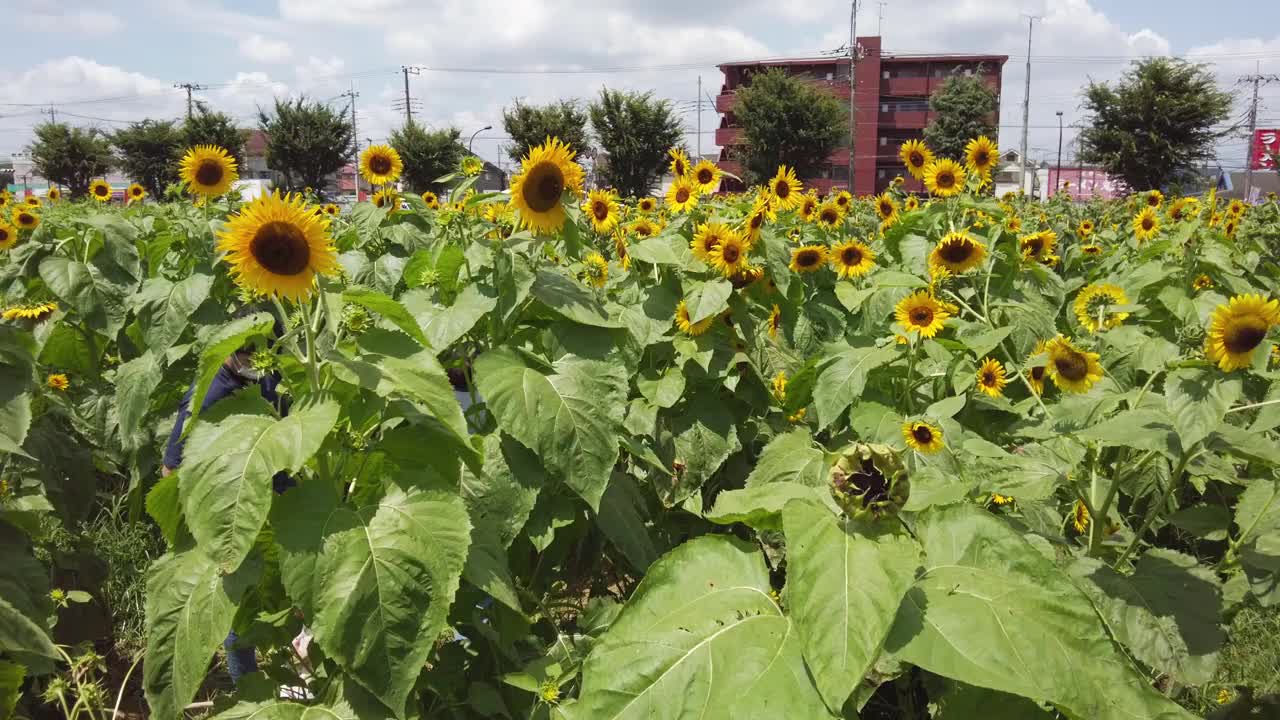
<point>235,374</point>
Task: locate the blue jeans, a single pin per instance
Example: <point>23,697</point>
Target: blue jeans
<point>240,661</point>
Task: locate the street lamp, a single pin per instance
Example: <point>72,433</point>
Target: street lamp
<point>474,134</point>
<point>1058,178</point>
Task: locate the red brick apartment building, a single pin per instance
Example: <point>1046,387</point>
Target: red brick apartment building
<point>892,105</point>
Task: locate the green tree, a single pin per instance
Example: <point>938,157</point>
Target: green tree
<point>1156,125</point>
<point>306,141</point>
<point>787,121</point>
<point>207,127</point>
<point>149,152</point>
<point>427,154</point>
<point>70,156</point>
<point>635,130</point>
<point>963,108</point>
<point>530,125</point>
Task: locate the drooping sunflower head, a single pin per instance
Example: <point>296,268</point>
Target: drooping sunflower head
<point>1202,282</point>
<point>54,194</point>
<point>852,259</point>
<point>1146,224</point>
<point>869,481</point>
<point>748,275</point>
<point>1080,516</point>
<point>921,313</point>
<point>8,235</point>
<point>430,200</point>
<point>706,175</point>
<point>809,207</point>
<point>916,156</point>
<point>992,377</point>
<point>980,155</point>
<point>830,216</point>
<point>785,189</point>
<point>775,324</point>
<point>601,208</point>
<point>1091,250</point>
<point>958,252</point>
<point>34,312</point>
<point>730,255</point>
<point>595,270</point>
<point>1154,199</point>
<point>923,437</point>
<point>208,170</point>
<point>380,165</point>
<point>386,198</point>
<point>26,218</point>
<point>1237,328</point>
<point>886,207</point>
<point>1037,246</point>
<point>471,166</point>
<point>1070,368</point>
<point>100,190</point>
<point>1229,227</point>
<point>679,162</point>
<point>135,193</point>
<point>1093,306</point>
<point>944,178</point>
<point>276,246</point>
<point>682,196</point>
<point>647,205</point>
<point>622,248</point>
<point>545,174</point>
<point>688,327</point>
<point>1184,209</point>
<point>808,258</point>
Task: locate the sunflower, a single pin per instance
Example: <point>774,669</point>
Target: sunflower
<point>886,207</point>
<point>208,170</point>
<point>595,269</point>
<point>992,377</point>
<point>775,321</point>
<point>31,311</point>
<point>1085,228</point>
<point>275,246</point>
<point>778,386</point>
<point>785,189</point>
<point>1038,245</point>
<point>830,216</point>
<point>1079,517</point>
<point>1050,260</point>
<point>602,208</point>
<point>679,162</point>
<point>8,235</point>
<point>808,258</point>
<point>430,199</point>
<point>1146,224</point>
<point>944,177</point>
<point>471,166</point>
<point>682,196</point>
<point>58,381</point>
<point>911,204</point>
<point>916,156</point>
<point>1183,209</point>
<point>691,328</point>
<point>1202,282</point>
<point>748,275</point>
<point>644,227</point>
<point>923,437</point>
<point>921,312</point>
<point>647,205</point>
<point>26,218</point>
<point>5,198</point>
<point>1229,228</point>
<point>706,238</point>
<point>100,190</point>
<point>958,252</point>
<point>1013,224</point>
<point>380,165</point>
<point>1070,368</point>
<point>1238,328</point>
<point>809,207</point>
<point>1155,199</point>
<point>980,155</point>
<point>706,175</point>
<point>622,248</point>
<point>1235,209</point>
<point>1091,250</point>
<point>54,194</point>
<point>332,210</point>
<point>545,174</point>
<point>729,256</point>
<point>844,199</point>
<point>33,201</point>
<point>852,259</point>
<point>1092,306</point>
<point>998,499</point>
<point>135,193</point>
<point>386,198</point>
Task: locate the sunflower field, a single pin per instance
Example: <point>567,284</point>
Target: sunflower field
<point>555,454</point>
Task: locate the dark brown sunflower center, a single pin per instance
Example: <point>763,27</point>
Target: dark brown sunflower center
<point>981,158</point>
<point>1148,223</point>
<point>705,176</point>
<point>137,192</point>
<point>886,209</point>
<point>731,253</point>
<point>923,434</point>
<point>842,201</point>
<point>916,159</point>
<point>869,483</point>
<point>1153,201</point>
<point>101,190</point>
<point>782,189</point>
<point>1244,335</point>
<point>600,210</point>
<point>945,180</point>
<point>921,316</point>
<point>646,205</point>
<point>26,218</point>
<point>681,169</point>
<point>807,258</point>
<point>757,220</point>
<point>4,235</point>
<point>989,378</point>
<point>209,172</point>
<point>1071,366</point>
<point>644,230</point>
<point>956,251</point>
<point>829,216</point>
<point>851,256</point>
<point>1037,373</point>
<point>543,187</point>
<point>682,195</point>
<point>710,242</point>
<point>380,164</point>
<point>281,248</point>
<point>1033,245</point>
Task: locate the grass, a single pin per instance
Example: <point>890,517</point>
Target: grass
<point>1251,658</point>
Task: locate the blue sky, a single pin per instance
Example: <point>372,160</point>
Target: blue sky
<point>107,64</point>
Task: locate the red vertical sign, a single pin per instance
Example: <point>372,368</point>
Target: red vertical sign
<point>1265,148</point>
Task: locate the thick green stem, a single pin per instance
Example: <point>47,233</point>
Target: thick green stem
<point>1154,511</point>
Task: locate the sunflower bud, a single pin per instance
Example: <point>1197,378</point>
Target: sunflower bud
<point>356,319</point>
<point>428,277</point>
<point>263,361</point>
<point>869,480</point>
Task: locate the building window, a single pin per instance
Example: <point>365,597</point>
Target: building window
<point>884,107</point>
<point>883,141</point>
<point>884,75</point>
<point>840,173</point>
<point>880,173</point>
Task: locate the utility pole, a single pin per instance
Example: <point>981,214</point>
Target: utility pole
<point>1258,79</point>
<point>1026,107</point>
<point>880,24</point>
<point>1058,177</point>
<point>52,112</point>
<point>853,88</point>
<point>699,118</point>
<point>355,138</point>
<point>188,87</point>
<point>408,111</point>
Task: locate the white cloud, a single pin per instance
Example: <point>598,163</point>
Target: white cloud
<point>316,73</point>
<point>84,22</point>
<point>265,50</point>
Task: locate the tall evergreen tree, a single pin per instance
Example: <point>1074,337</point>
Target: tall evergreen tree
<point>530,125</point>
<point>787,121</point>
<point>70,156</point>
<point>306,141</point>
<point>963,108</point>
<point>635,130</point>
<point>427,154</point>
<point>148,152</point>
<point>208,127</point>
